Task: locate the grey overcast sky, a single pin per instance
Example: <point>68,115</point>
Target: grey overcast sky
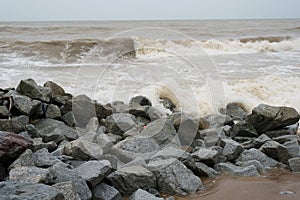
<point>31,10</point>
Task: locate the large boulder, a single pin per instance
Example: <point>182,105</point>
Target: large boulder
<point>15,124</point>
<point>53,130</point>
<point>106,192</point>
<point>267,118</point>
<point>254,154</point>
<point>67,189</point>
<point>173,177</point>
<point>243,129</point>
<point>11,146</point>
<point>118,123</point>
<point>142,195</point>
<point>235,111</point>
<point>30,175</point>
<point>25,159</point>
<point>207,156</point>
<point>218,120</point>
<point>25,105</point>
<point>231,149</point>
<point>235,170</point>
<point>30,88</point>
<point>61,173</point>
<point>56,90</point>
<point>83,109</point>
<point>28,191</point>
<point>294,164</point>
<point>129,179</point>
<point>94,171</point>
<point>276,151</point>
<point>53,111</point>
<point>141,100</point>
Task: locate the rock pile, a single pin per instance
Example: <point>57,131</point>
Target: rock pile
<point>57,146</point>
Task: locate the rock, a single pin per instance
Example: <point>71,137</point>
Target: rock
<point>67,189</point>
<point>53,130</point>
<point>28,191</point>
<point>81,149</point>
<point>132,132</point>
<point>119,123</point>
<point>202,169</point>
<point>53,111</point>
<point>106,192</point>
<point>218,120</point>
<point>129,179</point>
<point>94,171</point>
<point>168,103</point>
<point>114,161</point>
<point>211,136</point>
<point>258,142</point>
<point>289,130</point>
<point>286,138</point>
<point>29,88</point>
<point>267,118</point>
<point>69,119</point>
<point>93,124</point>
<point>255,163</point>
<point>25,159</point>
<point>254,154</point>
<point>231,149</point>
<point>39,144</point>
<point>171,152</point>
<point>153,192</point>
<point>237,171</point>
<point>30,175</point>
<point>4,111</point>
<point>136,162</point>
<point>62,174</point>
<point>235,111</point>
<point>25,105</point>
<point>294,164</point>
<point>142,195</point>
<point>154,114</point>
<point>186,128</point>
<point>56,90</point>
<point>243,129</point>
<point>11,146</point>
<point>3,172</point>
<point>83,109</point>
<point>42,158</point>
<point>67,107</point>
<point>119,107</point>
<point>293,148</point>
<point>102,111</point>
<point>31,130</point>
<point>141,100</point>
<point>162,131</point>
<point>173,177</point>
<point>276,151</point>
<point>16,124</point>
<point>139,111</point>
<point>207,156</point>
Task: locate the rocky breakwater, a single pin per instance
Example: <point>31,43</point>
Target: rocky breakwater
<point>54,145</point>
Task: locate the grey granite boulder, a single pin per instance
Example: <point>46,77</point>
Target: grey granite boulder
<point>267,118</point>
<point>30,175</point>
<point>25,105</point>
<point>207,156</point>
<point>142,195</point>
<point>256,163</point>
<point>69,119</point>
<point>106,192</point>
<point>293,148</point>
<point>67,189</point>
<point>231,149</point>
<point>94,171</point>
<point>294,164</point>
<point>61,173</point>
<point>235,110</point>
<point>56,90</point>
<point>235,170</point>
<point>25,159</point>
<point>141,100</point>
<point>254,154</point>
<point>243,129</point>
<point>173,177</point>
<point>28,191</point>
<point>53,112</point>
<point>129,179</point>
<point>15,124</point>
<point>218,120</point>
<point>119,123</point>
<point>276,151</point>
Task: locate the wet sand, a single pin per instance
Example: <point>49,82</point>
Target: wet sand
<point>267,187</point>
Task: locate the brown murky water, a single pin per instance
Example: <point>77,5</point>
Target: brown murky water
<point>267,187</point>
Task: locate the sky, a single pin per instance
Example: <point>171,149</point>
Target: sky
<point>52,10</point>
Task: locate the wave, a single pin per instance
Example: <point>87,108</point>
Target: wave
<point>71,51</point>
<point>295,28</point>
<point>271,39</point>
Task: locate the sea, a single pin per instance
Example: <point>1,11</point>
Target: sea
<point>201,65</point>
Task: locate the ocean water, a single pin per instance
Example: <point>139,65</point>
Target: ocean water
<point>201,65</point>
